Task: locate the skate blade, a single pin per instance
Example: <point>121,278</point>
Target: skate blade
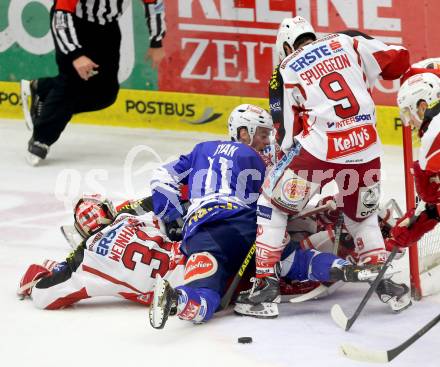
<point>265,310</point>
<point>32,159</point>
<point>157,316</point>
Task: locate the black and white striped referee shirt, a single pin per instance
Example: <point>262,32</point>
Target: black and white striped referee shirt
<point>101,12</point>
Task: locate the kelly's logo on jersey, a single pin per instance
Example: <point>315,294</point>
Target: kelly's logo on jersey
<point>351,141</point>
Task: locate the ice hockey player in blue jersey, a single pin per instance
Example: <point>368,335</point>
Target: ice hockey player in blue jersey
<point>224,179</point>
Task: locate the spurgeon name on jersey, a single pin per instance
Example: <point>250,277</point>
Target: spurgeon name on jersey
<point>341,70</point>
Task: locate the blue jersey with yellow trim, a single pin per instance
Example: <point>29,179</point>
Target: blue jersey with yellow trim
<point>223,178</point>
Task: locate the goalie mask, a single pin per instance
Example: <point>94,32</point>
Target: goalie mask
<point>92,213</point>
<point>289,31</point>
<point>249,116</point>
<point>418,88</point>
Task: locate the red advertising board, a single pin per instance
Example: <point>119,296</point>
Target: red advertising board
<point>227,47</point>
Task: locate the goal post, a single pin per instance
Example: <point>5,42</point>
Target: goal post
<point>424,258</point>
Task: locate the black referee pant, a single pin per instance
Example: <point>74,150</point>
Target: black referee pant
<point>67,94</point>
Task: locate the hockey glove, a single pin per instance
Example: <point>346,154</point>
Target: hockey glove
<point>405,234</point>
<point>427,185</point>
<point>174,229</point>
<point>33,274</point>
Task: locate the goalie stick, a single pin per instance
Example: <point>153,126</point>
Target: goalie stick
<point>71,235</point>
<point>374,356</point>
<point>319,292</point>
<point>226,299</point>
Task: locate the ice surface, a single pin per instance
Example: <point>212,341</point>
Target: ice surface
<point>34,202</point>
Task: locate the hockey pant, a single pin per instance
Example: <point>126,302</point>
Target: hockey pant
<point>67,94</point>
<point>215,253</point>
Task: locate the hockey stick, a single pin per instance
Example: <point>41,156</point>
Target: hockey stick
<point>338,232</point>
<point>318,292</point>
<point>71,235</point>
<point>329,205</point>
<point>363,355</point>
<point>226,299</point>
<point>338,315</point>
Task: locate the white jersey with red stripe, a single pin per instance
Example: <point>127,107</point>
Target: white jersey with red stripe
<point>327,89</point>
<point>429,153</point>
<point>121,260</point>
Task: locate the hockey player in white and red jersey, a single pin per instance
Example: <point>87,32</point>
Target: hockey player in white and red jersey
<point>419,103</point>
<point>330,134</point>
<point>121,259</point>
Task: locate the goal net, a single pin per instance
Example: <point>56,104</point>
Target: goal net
<point>425,257</point>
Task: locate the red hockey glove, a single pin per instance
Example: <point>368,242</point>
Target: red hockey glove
<point>426,186</point>
<point>405,234</point>
<point>33,274</point>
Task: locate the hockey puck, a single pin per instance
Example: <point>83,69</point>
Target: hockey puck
<point>245,340</point>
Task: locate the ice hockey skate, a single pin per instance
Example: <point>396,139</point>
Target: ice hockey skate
<point>164,303</point>
<point>36,152</point>
<point>397,296</point>
<point>261,300</point>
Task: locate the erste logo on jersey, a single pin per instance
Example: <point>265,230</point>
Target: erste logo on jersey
<point>310,57</point>
<point>351,141</point>
<point>198,266</point>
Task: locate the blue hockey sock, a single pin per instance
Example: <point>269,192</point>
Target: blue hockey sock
<point>197,304</point>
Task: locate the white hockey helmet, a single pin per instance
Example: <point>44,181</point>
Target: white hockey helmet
<point>249,116</point>
<point>432,63</point>
<point>426,87</point>
<point>289,31</point>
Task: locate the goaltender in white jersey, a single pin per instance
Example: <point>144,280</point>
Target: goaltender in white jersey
<point>121,260</point>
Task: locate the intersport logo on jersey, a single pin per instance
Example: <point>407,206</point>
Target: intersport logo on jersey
<point>351,141</point>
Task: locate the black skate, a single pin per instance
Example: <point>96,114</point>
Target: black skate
<point>261,300</point>
<point>164,303</point>
<point>358,273</point>
<point>36,152</point>
<point>397,296</point>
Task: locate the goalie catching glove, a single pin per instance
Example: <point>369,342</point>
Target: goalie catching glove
<point>404,234</point>
<point>92,213</point>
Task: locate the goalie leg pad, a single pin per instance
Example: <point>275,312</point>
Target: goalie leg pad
<point>271,236</point>
<point>197,304</point>
<point>292,192</point>
<point>368,239</point>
